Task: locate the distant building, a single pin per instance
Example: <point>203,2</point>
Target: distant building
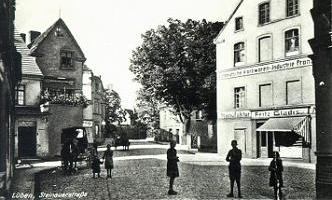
<point>31,137</point>
<point>10,74</point>
<point>61,61</point>
<point>171,123</point>
<point>94,113</point>
<point>265,86</point>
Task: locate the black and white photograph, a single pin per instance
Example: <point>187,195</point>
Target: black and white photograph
<point>165,99</point>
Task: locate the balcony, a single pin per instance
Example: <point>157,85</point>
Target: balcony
<point>64,96</point>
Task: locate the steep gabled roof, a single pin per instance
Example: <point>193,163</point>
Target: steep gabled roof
<point>43,36</point>
<point>228,20</point>
<point>29,65</point>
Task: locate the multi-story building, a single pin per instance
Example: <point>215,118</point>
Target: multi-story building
<point>265,86</point>
<point>10,73</point>
<point>31,138</point>
<point>61,61</point>
<point>94,113</point>
<point>170,122</point>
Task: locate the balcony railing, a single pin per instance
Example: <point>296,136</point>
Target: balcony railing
<point>64,97</point>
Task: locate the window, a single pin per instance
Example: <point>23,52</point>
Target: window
<point>20,95</point>
<point>66,59</point>
<point>238,23</point>
<point>239,97</point>
<point>293,92</point>
<point>198,115</point>
<point>265,48</point>
<point>292,7</point>
<point>264,13</point>
<point>265,95</point>
<point>95,108</point>
<point>292,42</point>
<point>96,130</point>
<point>239,54</point>
<point>58,32</point>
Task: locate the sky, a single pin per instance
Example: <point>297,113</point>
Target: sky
<point>109,30</point>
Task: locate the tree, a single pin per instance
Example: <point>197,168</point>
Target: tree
<point>113,111</point>
<point>147,109</point>
<point>177,62</point>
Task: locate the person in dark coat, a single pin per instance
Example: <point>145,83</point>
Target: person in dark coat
<point>172,166</point>
<point>108,159</point>
<point>95,165</point>
<point>234,157</point>
<point>276,170</point>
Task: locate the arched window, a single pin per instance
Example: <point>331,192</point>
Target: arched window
<point>292,42</point>
<point>265,48</point>
<point>239,53</point>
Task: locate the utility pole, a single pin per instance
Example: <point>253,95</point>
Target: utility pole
<point>321,45</point>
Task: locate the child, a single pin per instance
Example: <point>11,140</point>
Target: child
<point>276,169</point>
<point>96,165</point>
<point>172,167</point>
<point>234,157</point>
<point>108,156</point>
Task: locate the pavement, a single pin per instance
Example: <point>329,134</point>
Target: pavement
<point>140,174</point>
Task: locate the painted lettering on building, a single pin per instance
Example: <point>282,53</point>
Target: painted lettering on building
<point>279,113</point>
<point>235,114</point>
<point>257,69</point>
<point>267,113</point>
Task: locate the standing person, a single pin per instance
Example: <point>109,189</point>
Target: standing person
<point>108,156</point>
<point>96,165</point>
<point>172,166</point>
<point>276,170</point>
<point>234,157</point>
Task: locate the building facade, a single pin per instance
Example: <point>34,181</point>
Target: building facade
<point>94,113</point>
<point>10,74</point>
<point>61,61</point>
<point>265,86</point>
<point>171,123</point>
<point>31,139</point>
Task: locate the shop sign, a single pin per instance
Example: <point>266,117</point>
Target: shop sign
<point>87,123</point>
<point>284,65</point>
<point>279,113</point>
<point>236,114</point>
<point>267,113</point>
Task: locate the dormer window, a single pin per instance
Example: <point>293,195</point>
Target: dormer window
<point>66,59</point>
<point>238,23</point>
<point>58,32</point>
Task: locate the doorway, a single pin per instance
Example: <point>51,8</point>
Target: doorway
<point>240,137</point>
<point>266,144</point>
<point>27,142</point>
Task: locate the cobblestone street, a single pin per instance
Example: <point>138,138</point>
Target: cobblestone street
<point>141,177</point>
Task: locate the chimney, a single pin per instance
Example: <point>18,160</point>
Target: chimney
<point>33,35</point>
<point>23,36</point>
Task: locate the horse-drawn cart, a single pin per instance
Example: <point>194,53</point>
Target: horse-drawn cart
<point>74,147</point>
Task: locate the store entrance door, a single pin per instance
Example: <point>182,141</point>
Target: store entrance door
<point>266,141</point>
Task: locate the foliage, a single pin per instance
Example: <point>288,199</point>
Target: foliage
<point>113,111</point>
<point>147,109</point>
<point>63,98</point>
<point>177,62</point>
